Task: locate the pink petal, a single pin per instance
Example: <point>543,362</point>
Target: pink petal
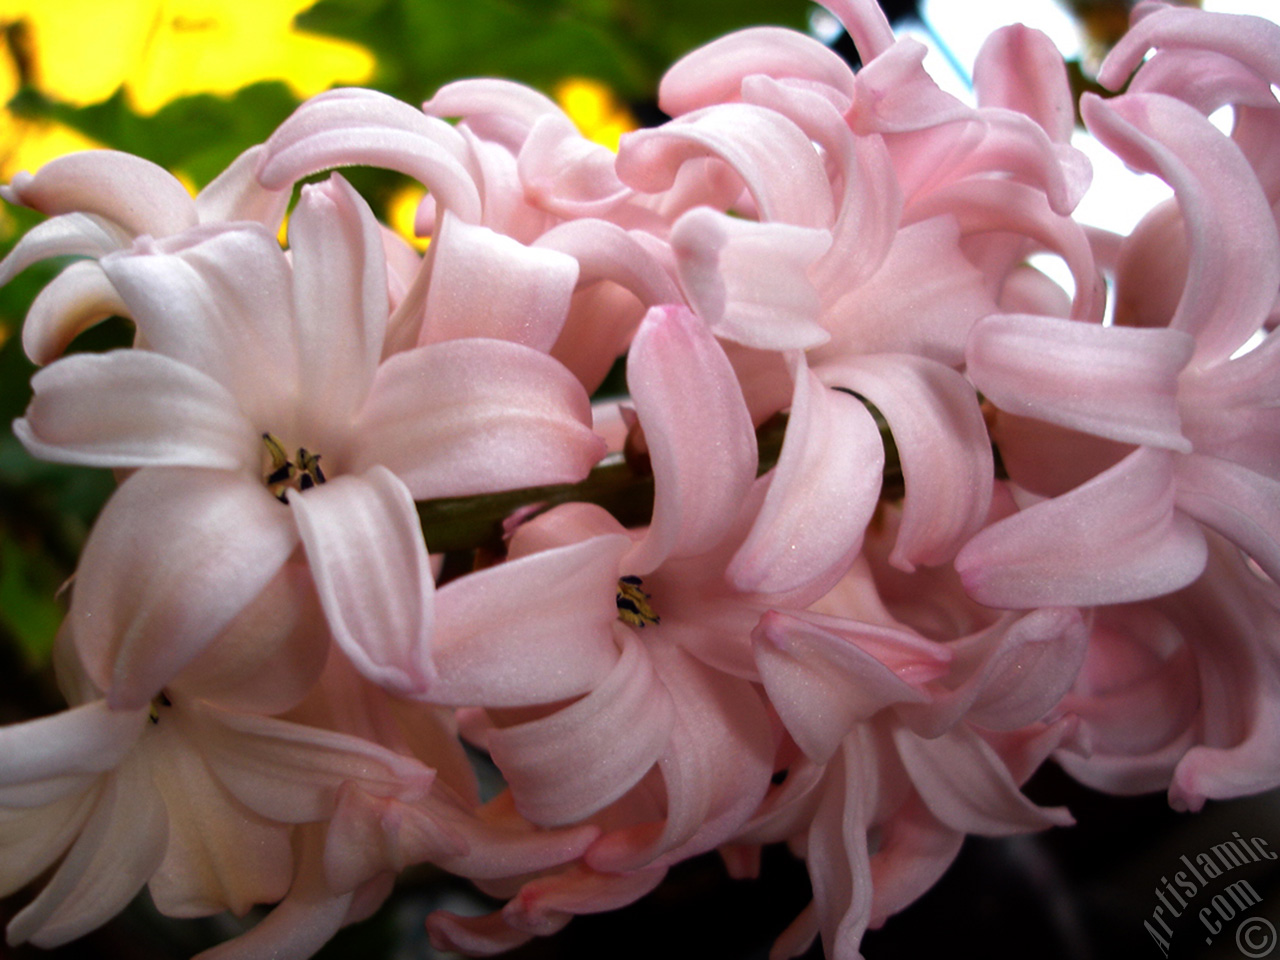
<point>824,490</point>
<point>364,544</point>
<point>130,192</point>
<point>500,844</point>
<point>991,205</point>
<point>476,416</point>
<point>1232,620</point>
<point>1229,411</point>
<point>484,284</point>
<point>1237,502</point>
<point>235,194</point>
<point>942,442</point>
<point>788,810</point>
<point>1128,776</point>
<point>715,768</point>
<point>1114,539</point>
<point>482,936</point>
<point>236,323</point>
<point>35,838</point>
<point>290,773</point>
<point>837,851</point>
<point>966,786</point>
<point>175,556</point>
<point>605,251</point>
<point>902,308</point>
<point>579,759</point>
<point>714,72</point>
<point>367,128</point>
<point>620,278</point>
<point>1008,676</point>
<point>1231,233</point>
<point>72,234</point>
<point>1017,147</point>
<point>1023,750</point>
<point>895,94</point>
<point>1251,40</point>
<point>69,304</point>
<point>370,835</point>
<point>46,759</point>
<point>1138,689</point>
<point>219,856</point>
<point>1116,382</point>
<point>866,23</point>
<point>775,159</point>
<point>500,110</point>
<point>914,852</point>
<point>869,208</point>
<point>133,408</point>
<point>506,209</point>
<point>1048,460</point>
<point>822,680</point>
<point>566,174</point>
<point>1020,69</point>
<point>488,650</point>
<point>748,280</point>
<point>340,297</point>
<point>701,441</point>
<point>270,656</point>
<point>299,925</point>
<point>119,848</point>
<point>545,903</point>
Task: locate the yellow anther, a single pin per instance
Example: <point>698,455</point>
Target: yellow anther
<point>633,603</point>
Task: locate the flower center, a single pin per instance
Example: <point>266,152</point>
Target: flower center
<point>633,603</point>
<point>301,473</point>
<point>157,704</point>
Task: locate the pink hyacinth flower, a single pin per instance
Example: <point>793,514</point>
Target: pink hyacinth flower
<point>196,801</point>
<point>1197,412</point>
<point>100,201</point>
<point>250,356</point>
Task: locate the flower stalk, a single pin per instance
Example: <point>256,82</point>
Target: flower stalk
<point>623,488</point>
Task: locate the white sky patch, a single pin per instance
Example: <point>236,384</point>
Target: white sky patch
<point>824,26</point>
<point>1258,8</point>
<point>1117,197</point>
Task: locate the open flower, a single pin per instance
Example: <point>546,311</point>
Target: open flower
<point>265,418</point>
<point>98,202</point>
<point>1172,424</point>
<point>868,220</point>
<point>193,799</point>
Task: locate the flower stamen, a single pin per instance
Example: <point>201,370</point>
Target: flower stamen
<point>160,701</point>
<point>633,603</point>
<point>304,468</point>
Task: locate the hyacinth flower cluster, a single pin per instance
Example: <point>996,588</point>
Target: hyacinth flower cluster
<point>900,518</point>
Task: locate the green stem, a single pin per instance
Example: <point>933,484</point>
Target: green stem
<point>469,523</point>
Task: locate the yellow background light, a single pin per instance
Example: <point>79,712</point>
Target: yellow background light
<point>159,50</point>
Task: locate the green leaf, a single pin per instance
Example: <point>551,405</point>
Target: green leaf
<point>29,609</point>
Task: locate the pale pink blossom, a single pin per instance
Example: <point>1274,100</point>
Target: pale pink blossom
<point>1180,692</point>
<point>1183,410</point>
<point>911,736</point>
<point>517,191</point>
<point>100,201</point>
<point>670,749</point>
<point>189,798</point>
<point>875,219</point>
<point>250,356</point>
